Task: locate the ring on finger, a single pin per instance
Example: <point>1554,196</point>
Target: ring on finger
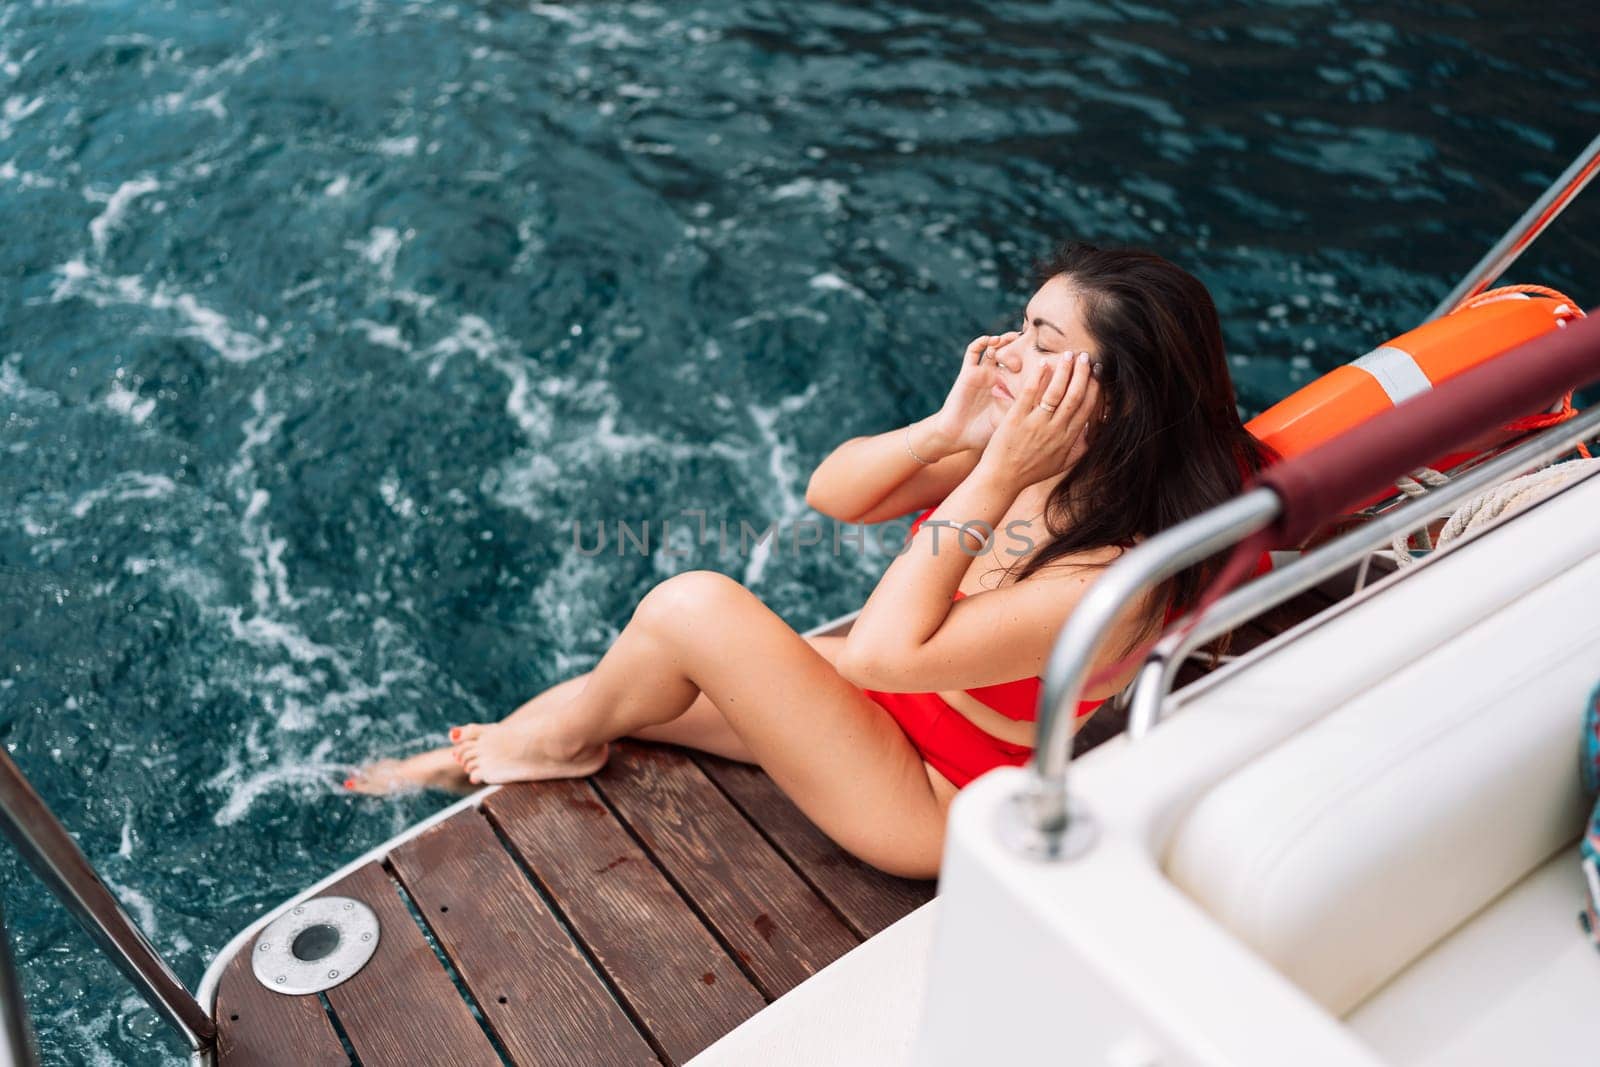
<point>1048,407</point>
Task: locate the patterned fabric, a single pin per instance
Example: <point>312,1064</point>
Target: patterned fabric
<point>1590,848</point>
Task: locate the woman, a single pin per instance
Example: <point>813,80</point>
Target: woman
<point>1107,415</point>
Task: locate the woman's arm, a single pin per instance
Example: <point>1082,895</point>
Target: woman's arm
<point>910,637</point>
<point>988,638</point>
<point>870,479</point>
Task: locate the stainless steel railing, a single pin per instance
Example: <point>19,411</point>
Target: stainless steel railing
<point>1155,679</point>
<point>41,839</point>
<point>16,1036</point>
<point>1044,820</point>
<point>1041,822</point>
<point>1526,229</point>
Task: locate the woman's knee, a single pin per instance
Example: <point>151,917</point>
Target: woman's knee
<point>688,595</point>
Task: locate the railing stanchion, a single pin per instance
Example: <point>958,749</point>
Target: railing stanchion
<point>55,857</point>
<point>1325,561</point>
<point>1042,823</point>
<point>17,1048</point>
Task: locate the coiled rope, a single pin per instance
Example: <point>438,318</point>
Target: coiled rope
<point>1497,503</point>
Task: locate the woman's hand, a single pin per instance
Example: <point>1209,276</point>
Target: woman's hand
<point>965,421</point>
<point>1034,442</point>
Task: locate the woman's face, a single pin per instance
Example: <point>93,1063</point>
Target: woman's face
<point>1051,328</point>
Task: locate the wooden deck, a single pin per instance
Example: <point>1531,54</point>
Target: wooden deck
<point>632,917</point>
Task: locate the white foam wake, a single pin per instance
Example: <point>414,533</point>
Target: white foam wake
<point>82,281</point>
<point>101,225</point>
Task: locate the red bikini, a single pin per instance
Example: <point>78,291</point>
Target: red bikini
<point>951,743</point>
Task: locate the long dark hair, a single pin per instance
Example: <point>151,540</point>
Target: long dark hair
<point>1172,444</point>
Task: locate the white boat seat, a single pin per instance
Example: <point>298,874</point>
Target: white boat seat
<point>1533,1004</point>
<point>1343,854</point>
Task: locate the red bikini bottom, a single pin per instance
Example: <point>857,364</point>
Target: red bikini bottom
<point>948,740</point>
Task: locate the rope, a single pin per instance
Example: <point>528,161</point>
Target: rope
<point>1517,290</point>
<point>1491,506</point>
<point>1418,483</point>
<point>1511,497</point>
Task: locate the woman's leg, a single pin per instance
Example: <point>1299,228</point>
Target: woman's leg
<point>437,768</point>
<point>837,754</point>
<point>701,727</point>
<point>705,728</point>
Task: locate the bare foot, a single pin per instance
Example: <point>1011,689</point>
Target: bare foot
<point>520,752</point>
<point>435,769</point>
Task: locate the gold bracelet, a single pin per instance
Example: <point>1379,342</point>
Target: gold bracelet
<point>911,451</point>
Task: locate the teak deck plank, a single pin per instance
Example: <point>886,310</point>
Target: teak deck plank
<point>402,1008</point>
<point>776,924</point>
<point>257,1027</point>
<point>869,899</point>
<point>541,998</point>
<point>673,974</point>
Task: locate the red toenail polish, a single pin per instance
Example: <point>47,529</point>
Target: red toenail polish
<point>349,783</point>
<point>455,733</point>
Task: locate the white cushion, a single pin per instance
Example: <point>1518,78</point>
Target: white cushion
<point>1516,985</point>
<point>1342,854</point>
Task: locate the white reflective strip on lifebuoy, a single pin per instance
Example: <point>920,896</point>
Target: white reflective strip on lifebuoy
<point>1396,370</point>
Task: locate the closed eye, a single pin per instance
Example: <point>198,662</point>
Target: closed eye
<point>1023,329</point>
<point>1027,321</point>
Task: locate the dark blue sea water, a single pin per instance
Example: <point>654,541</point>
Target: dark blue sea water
<point>322,321</point>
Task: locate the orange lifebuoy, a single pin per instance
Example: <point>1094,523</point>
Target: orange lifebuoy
<point>1483,328</point>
